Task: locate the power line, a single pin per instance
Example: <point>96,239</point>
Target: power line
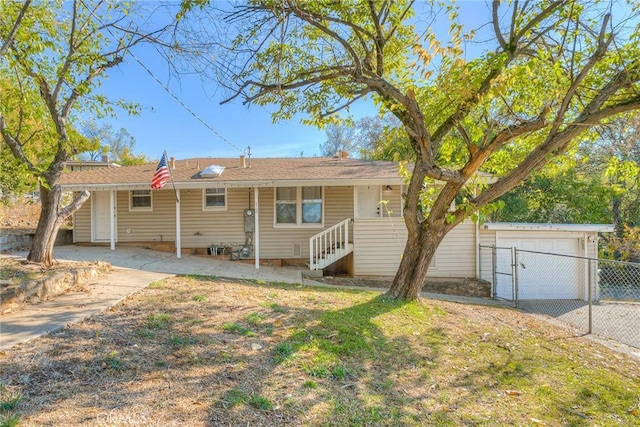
<point>186,107</point>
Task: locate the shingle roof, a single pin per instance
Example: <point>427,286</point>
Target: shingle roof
<point>262,169</point>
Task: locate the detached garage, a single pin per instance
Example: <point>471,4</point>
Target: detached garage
<point>540,274</point>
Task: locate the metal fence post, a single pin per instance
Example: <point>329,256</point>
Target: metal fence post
<point>514,274</point>
<point>590,297</point>
<point>494,271</point>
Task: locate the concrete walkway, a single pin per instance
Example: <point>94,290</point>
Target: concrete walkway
<point>134,269</point>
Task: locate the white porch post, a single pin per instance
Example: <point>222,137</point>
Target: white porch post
<point>256,218</point>
<point>178,240</point>
<point>112,219</point>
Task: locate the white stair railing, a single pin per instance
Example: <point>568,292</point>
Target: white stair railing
<point>329,245</point>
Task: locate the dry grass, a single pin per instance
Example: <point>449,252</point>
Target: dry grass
<point>207,352</point>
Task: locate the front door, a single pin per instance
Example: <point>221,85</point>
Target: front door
<point>101,219</point>
<point>367,201</point>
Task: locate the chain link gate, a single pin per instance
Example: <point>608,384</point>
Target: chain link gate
<point>593,295</point>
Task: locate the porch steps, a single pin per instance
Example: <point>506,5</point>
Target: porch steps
<point>330,245</point>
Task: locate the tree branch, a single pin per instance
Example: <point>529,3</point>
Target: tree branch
<point>14,29</point>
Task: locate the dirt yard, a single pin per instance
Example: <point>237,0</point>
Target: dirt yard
<point>203,351</point>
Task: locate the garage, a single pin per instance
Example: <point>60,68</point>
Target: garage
<point>541,276</point>
<point>550,259</point>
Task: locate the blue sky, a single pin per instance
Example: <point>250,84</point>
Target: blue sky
<point>163,124</point>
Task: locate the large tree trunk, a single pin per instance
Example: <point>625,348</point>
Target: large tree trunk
<point>48,225</point>
<point>418,253</point>
<point>52,216</point>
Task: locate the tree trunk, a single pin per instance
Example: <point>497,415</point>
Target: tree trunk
<point>417,256</point>
<point>618,225</point>
<point>48,225</point>
<point>52,216</point>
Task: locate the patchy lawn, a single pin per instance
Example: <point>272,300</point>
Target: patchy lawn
<point>202,351</point>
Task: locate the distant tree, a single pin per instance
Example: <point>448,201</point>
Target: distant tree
<point>52,57</point>
<point>383,138</point>
<point>616,158</point>
<point>339,137</point>
<point>118,145</point>
<point>601,183</point>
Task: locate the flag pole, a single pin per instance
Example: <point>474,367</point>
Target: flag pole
<point>171,176</point>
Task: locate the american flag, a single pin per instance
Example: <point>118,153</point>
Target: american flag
<point>161,175</point>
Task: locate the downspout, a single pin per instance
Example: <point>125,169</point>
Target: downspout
<point>256,218</point>
<point>477,224</point>
<point>478,247</point>
<point>178,231</point>
<point>112,220</point>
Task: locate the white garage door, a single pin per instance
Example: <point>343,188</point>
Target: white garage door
<point>541,276</point>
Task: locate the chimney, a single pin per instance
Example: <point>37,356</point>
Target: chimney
<point>105,158</point>
<point>243,164</point>
<point>343,154</point>
<point>172,160</point>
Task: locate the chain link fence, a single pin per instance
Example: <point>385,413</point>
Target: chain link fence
<point>596,296</point>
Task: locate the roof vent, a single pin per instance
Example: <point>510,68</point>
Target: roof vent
<point>212,171</point>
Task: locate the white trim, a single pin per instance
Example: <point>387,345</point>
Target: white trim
<point>256,235</point>
<point>298,224</point>
<point>140,209</point>
<point>93,222</point>
<point>112,220</point>
<point>520,226</point>
<point>214,208</point>
<point>178,227</point>
<point>238,184</point>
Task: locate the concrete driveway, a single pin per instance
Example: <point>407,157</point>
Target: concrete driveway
<point>611,320</point>
<point>164,262</point>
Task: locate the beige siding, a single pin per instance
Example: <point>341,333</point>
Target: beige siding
<point>156,225</point>
<point>456,256</point>
<point>392,199</point>
<point>202,228</point>
<point>487,238</point>
<point>379,243</point>
<point>277,242</point>
<point>82,223</point>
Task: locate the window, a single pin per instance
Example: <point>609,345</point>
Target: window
<point>298,206</point>
<point>214,199</point>
<point>311,205</point>
<point>140,200</point>
<point>286,205</point>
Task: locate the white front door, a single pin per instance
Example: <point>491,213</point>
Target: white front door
<point>367,201</point>
<point>101,218</point>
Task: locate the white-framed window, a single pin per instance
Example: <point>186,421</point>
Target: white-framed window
<point>140,200</point>
<point>214,199</point>
<point>299,206</point>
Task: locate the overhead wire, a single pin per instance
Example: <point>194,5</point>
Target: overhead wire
<point>174,96</point>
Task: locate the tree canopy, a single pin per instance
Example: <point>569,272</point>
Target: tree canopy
<point>551,70</point>
<point>53,56</point>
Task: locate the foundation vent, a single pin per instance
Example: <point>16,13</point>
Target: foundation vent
<point>297,250</point>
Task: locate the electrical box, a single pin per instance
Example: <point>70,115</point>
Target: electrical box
<point>249,221</point>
